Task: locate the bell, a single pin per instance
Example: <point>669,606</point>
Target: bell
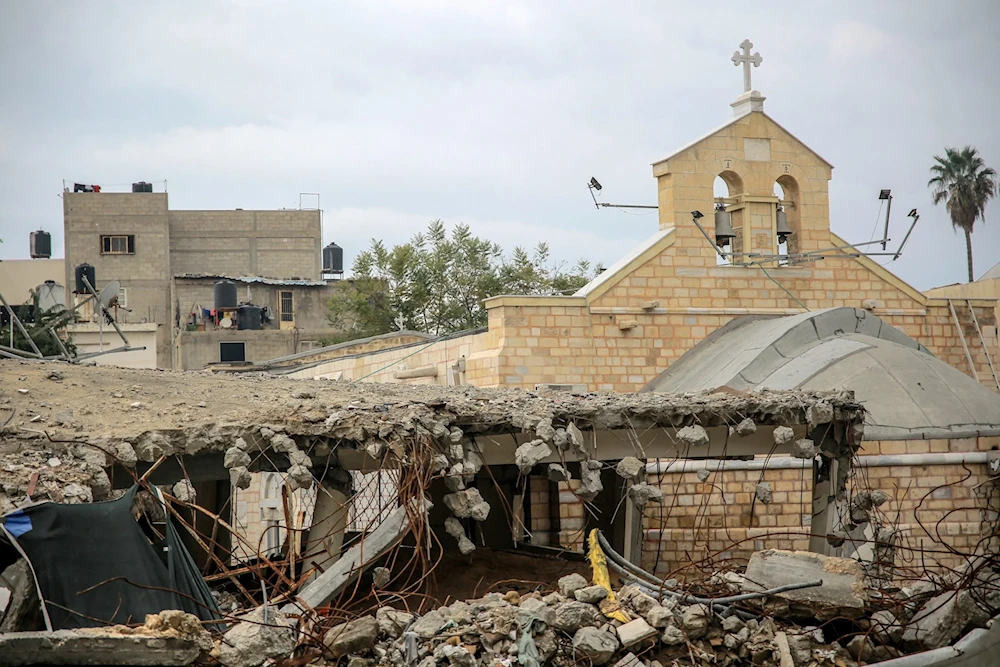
<point>781,226</point>
<point>723,226</point>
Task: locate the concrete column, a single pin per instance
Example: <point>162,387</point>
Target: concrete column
<point>325,538</point>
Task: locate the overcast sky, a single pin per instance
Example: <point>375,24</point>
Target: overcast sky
<point>495,114</point>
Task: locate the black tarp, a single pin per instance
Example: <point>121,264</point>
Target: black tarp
<point>95,564</point>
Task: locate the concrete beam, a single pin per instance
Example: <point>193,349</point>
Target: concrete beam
<point>324,588</point>
<point>68,647</point>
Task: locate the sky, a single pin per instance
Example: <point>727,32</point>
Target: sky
<point>495,114</point>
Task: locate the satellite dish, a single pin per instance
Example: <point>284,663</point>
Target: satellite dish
<point>109,292</point>
<point>225,323</point>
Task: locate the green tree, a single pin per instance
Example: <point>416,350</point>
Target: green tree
<point>965,184</point>
<point>437,282</point>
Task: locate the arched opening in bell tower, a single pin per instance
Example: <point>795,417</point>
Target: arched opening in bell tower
<point>726,189</point>
<point>786,189</point>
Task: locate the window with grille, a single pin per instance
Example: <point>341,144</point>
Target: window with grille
<point>286,307</point>
<point>118,244</point>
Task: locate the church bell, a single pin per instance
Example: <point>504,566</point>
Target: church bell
<point>723,226</point>
<point>781,226</point>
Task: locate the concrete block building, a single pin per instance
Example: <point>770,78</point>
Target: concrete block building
<point>168,261</point>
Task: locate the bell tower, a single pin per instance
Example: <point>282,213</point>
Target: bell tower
<point>777,200</point>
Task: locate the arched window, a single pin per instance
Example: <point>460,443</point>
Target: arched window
<point>271,511</point>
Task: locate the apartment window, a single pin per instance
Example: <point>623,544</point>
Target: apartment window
<point>230,351</point>
<point>123,298</point>
<point>118,244</point>
<point>287,313</point>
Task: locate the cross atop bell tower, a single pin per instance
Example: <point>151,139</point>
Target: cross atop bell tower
<point>746,60</point>
<point>750,100</point>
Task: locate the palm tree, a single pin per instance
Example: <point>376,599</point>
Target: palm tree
<point>965,184</point>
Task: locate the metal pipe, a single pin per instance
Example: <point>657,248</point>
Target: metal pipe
<point>792,463</point>
<point>104,311</point>
<point>14,319</point>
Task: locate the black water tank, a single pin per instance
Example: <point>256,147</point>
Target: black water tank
<point>248,317</point>
<point>40,245</point>
<point>225,295</point>
<point>333,259</point>
<point>81,271</point>
<point>142,186</point>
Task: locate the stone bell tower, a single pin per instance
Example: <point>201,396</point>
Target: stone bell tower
<point>750,153</point>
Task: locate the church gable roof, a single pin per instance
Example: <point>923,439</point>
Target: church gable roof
<point>735,120</point>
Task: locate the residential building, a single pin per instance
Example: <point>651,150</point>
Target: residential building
<point>168,261</point>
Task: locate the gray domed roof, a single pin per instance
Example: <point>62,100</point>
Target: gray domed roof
<point>908,393</point>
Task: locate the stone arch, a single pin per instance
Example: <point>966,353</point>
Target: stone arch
<point>729,185</point>
<point>733,182</point>
<point>791,196</point>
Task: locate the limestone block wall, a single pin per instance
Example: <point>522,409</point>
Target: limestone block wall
<point>938,510</point>
<point>478,349</point>
<point>197,349</point>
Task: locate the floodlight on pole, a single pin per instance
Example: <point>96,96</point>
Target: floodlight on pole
<point>886,195</point>
<point>912,214</point>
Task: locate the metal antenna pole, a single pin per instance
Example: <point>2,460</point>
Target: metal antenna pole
<point>888,210</point>
<point>104,311</point>
<point>14,319</point>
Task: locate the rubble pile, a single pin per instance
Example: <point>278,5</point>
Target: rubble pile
<point>571,627</point>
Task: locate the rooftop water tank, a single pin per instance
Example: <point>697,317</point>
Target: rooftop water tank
<point>248,317</point>
<point>81,271</point>
<point>40,245</point>
<point>226,296</point>
<point>333,259</point>
<point>142,186</point>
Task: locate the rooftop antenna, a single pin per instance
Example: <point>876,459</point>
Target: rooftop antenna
<point>595,187</point>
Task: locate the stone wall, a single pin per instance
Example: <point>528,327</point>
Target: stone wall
<point>936,508</point>
<point>197,349</point>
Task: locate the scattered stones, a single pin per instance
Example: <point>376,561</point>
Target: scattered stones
<point>530,454</point>
<point>76,494</point>
<point>694,620</point>
<point>252,643</point>
<point>591,594</point>
<point>570,584</point>
<point>695,436</point>
<point>633,598</point>
<point>136,405</point>
<point>596,645</point>
<point>352,636</point>
<point>643,493</point>
<point>672,636</point>
<point>54,375</point>
<point>630,468</point>
<point>660,616</point>
<point>572,615</point>
<point>467,504</point>
<point>763,491</point>
<point>392,622</point>
<point>429,624</point>
<point>299,477</point>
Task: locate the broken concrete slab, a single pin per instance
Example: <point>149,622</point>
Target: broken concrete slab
<point>23,612</point>
<point>841,594</point>
<point>262,634</point>
<point>596,645</point>
<point>558,473</point>
<point>392,622</point>
<point>68,647</point>
<point>591,594</point>
<point>637,634</point>
<point>325,587</point>
<point>694,435</point>
<point>590,480</point>
<point>942,619</point>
